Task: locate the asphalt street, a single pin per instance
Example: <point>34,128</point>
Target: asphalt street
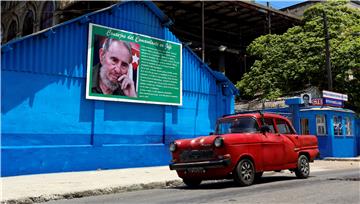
<point>340,186</point>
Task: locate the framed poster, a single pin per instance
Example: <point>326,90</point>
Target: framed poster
<point>130,67</point>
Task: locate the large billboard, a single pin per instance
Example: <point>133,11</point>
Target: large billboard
<point>130,67</point>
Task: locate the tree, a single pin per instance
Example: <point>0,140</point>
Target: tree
<point>295,60</point>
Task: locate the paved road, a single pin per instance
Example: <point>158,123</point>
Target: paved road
<point>340,186</point>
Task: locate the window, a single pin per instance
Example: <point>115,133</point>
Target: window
<point>320,125</point>
<point>12,31</point>
<point>28,23</point>
<point>237,125</point>
<point>283,127</point>
<point>2,33</point>
<point>338,125</point>
<point>4,5</point>
<point>269,122</point>
<point>348,126</point>
<point>47,15</point>
<point>305,126</point>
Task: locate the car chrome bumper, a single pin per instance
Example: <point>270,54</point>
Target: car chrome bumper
<point>202,164</point>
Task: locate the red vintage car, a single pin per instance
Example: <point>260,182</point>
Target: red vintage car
<point>243,147</point>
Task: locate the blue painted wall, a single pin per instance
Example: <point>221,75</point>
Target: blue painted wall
<point>49,126</point>
<point>357,133</point>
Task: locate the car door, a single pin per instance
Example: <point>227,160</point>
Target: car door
<point>272,147</point>
<point>290,140</point>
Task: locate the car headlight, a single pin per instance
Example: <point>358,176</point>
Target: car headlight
<point>218,142</point>
<point>172,147</point>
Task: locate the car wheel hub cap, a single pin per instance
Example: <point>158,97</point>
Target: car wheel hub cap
<point>304,166</point>
<point>246,171</point>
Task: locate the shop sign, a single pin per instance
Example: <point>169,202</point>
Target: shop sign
<point>334,95</point>
<point>333,102</point>
<point>131,67</point>
<point>317,101</point>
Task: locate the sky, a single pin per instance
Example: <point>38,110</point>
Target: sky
<point>279,4</point>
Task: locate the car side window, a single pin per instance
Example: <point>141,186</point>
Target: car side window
<point>283,127</point>
<point>269,122</point>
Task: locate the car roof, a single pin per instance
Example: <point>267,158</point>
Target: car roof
<point>255,115</point>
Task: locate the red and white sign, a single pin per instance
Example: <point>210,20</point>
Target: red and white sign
<point>317,101</point>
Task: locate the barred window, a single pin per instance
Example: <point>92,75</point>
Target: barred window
<point>348,126</point>
<point>320,124</point>
<point>338,125</point>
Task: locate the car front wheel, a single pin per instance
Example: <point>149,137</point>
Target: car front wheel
<point>303,167</point>
<point>245,172</point>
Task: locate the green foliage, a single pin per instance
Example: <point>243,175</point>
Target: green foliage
<point>296,60</point>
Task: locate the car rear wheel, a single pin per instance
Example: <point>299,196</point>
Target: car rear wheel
<point>303,167</point>
<point>244,173</point>
<point>192,183</point>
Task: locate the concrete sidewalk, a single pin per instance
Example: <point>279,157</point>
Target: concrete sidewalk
<point>45,187</point>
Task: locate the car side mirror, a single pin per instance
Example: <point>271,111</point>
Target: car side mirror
<point>264,129</point>
<point>211,133</point>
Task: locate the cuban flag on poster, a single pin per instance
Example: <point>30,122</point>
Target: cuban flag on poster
<point>135,49</point>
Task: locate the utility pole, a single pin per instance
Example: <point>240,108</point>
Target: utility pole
<point>268,17</point>
<point>327,53</point>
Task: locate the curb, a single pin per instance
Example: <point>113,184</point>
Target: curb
<point>96,192</point>
<point>341,159</point>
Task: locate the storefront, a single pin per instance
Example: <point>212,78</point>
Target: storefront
<point>335,127</point>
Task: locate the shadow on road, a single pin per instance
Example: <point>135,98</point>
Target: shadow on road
<point>221,184</point>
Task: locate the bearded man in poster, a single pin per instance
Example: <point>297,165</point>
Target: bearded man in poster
<point>111,76</point>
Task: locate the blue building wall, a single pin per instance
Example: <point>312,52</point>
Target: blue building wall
<point>357,133</point>
<point>49,126</point>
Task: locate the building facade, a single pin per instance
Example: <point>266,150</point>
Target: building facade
<point>48,125</point>
<point>22,18</point>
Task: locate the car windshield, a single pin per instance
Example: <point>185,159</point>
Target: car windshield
<point>236,125</point>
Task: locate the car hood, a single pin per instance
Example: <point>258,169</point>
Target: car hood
<point>196,143</point>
